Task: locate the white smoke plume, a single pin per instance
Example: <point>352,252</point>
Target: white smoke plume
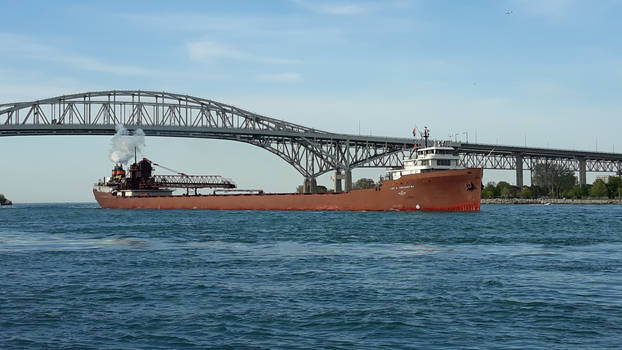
<point>124,142</point>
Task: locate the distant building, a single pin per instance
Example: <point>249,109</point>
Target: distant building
<point>605,178</point>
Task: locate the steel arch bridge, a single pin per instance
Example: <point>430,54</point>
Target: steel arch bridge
<point>310,151</point>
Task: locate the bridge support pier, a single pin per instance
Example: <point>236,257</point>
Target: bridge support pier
<point>310,185</point>
<point>338,178</point>
<point>348,180</point>
<point>582,171</point>
<point>346,176</point>
<point>519,170</point>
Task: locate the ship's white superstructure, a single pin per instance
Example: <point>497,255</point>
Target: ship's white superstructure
<point>428,159</point>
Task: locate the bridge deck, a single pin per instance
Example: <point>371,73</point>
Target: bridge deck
<point>311,151</point>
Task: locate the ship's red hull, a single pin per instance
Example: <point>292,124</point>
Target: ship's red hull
<point>449,190</point>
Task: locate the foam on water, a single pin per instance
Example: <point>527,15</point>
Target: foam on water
<point>13,244</point>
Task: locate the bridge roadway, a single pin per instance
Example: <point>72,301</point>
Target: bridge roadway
<point>311,151</point>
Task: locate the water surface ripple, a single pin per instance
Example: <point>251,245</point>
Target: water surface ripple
<point>76,276</point>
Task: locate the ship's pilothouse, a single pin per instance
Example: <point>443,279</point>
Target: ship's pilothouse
<point>429,158</point>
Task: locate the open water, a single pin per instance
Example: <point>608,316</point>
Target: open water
<point>76,276</point>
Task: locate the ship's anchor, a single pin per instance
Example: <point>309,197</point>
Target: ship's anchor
<point>470,186</point>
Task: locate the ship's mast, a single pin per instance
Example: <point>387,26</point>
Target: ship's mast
<point>426,135</point>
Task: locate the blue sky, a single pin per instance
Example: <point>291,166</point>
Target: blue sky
<point>549,73</point>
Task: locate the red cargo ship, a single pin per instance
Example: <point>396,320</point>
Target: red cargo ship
<point>430,181</point>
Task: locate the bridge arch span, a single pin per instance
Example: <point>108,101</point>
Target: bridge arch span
<point>310,151</point>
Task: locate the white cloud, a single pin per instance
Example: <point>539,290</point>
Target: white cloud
<point>289,77</point>
<point>26,47</point>
<point>207,51</point>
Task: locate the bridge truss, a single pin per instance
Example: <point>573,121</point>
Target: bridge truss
<point>310,151</point>
<point>526,158</point>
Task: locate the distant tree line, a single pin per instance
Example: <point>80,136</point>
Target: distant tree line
<point>551,180</point>
<point>4,201</point>
<point>364,183</point>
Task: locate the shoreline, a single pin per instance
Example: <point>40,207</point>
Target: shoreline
<point>549,201</point>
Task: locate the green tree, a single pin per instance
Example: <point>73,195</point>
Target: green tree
<point>538,191</point>
<point>321,189</point>
<point>584,190</point>
<point>501,186</point>
<point>525,193</point>
<point>612,186</point>
<point>363,183</point>
<point>506,192</point>
<point>555,178</point>
<point>599,189</point>
<point>490,191</point>
<point>574,192</point>
<point>318,189</point>
<point>5,201</point>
